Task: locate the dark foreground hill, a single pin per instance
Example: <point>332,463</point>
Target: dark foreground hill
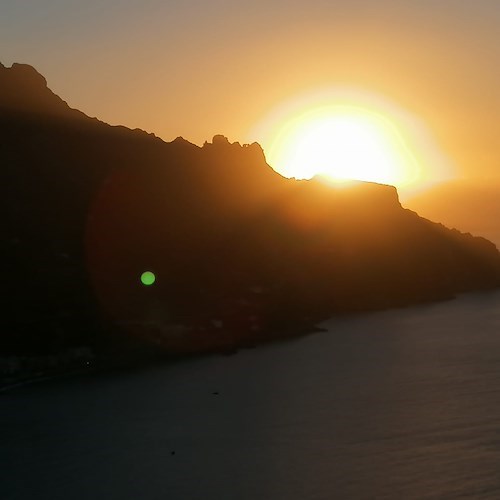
<point>240,253</point>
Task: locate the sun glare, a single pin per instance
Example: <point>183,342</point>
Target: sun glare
<point>342,140</point>
<point>343,143</point>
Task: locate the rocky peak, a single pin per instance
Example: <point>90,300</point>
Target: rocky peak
<point>220,140</point>
<point>23,89</point>
<point>27,75</point>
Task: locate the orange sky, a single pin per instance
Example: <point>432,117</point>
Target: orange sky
<point>196,69</point>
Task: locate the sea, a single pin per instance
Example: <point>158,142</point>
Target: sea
<point>400,404</point>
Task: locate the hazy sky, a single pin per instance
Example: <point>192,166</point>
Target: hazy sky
<point>196,68</point>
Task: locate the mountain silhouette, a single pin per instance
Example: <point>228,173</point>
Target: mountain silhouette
<point>471,205</point>
<point>240,254</point>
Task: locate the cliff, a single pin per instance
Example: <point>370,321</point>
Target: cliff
<point>240,253</point>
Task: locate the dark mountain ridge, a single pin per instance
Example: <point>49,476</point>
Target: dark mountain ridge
<point>241,254</point>
<point>473,205</point>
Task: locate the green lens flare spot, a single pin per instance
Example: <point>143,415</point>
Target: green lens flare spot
<point>148,278</point>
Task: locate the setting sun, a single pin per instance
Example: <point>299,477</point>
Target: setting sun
<point>343,143</point>
<point>344,135</point>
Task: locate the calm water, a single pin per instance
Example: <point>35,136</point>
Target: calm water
<point>394,405</point>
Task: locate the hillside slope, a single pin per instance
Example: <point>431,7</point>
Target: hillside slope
<point>471,205</point>
<point>240,253</point>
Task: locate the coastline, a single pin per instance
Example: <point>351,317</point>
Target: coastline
<point>82,361</point>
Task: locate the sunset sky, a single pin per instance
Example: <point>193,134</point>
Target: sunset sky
<point>195,69</point>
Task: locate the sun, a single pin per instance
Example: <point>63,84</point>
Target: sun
<point>343,143</point>
<point>346,135</point>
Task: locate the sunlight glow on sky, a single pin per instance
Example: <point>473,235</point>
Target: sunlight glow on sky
<point>344,143</point>
<point>348,134</point>
<point>196,69</point>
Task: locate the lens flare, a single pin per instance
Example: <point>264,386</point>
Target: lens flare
<point>148,278</point>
